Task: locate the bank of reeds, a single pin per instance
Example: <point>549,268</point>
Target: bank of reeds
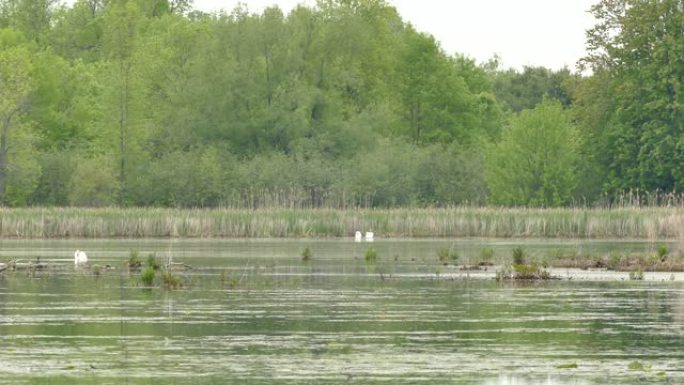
<point>644,223</point>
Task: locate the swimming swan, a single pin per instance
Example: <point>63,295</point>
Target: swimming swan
<point>80,257</point>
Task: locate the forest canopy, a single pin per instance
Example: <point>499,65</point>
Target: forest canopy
<point>343,104</point>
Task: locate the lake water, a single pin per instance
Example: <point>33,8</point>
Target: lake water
<point>253,313</point>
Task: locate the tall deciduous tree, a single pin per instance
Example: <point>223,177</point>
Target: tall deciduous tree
<point>16,165</point>
<point>638,45</point>
<point>535,161</point>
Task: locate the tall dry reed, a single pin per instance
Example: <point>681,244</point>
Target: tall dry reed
<point>627,222</point>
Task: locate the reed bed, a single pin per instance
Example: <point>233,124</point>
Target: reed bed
<point>643,223</point>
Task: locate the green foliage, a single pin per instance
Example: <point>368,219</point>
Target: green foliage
<point>93,183</point>
<point>524,90</point>
<point>341,104</point>
<point>518,256</point>
<point>371,255</point>
<point>147,276</point>
<point>638,111</point>
<point>153,262</point>
<point>534,163</point>
<point>447,254</point>
<point>530,272</point>
<point>662,251</point>
<point>134,262</point>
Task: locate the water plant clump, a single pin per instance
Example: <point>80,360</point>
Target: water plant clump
<point>662,252</point>
<point>307,254</point>
<point>486,254</point>
<point>636,365</point>
<point>171,281</point>
<point>572,365</point>
<point>636,275</point>
<point>153,262</point>
<point>147,276</point>
<point>134,263</point>
<point>447,255</point>
<point>518,256</point>
<point>371,255</point>
<point>530,272</point>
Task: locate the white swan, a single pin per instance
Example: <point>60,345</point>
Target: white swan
<point>357,237</point>
<point>369,236</point>
<point>80,257</point>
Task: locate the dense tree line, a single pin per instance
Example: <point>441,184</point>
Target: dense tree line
<point>152,103</point>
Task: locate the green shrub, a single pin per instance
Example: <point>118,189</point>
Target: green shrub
<point>147,276</point>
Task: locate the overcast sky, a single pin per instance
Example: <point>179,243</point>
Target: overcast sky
<point>523,32</point>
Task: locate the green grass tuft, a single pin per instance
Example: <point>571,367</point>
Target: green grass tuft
<point>153,262</point>
<point>147,276</point>
<point>371,255</point>
<point>518,256</point>
<point>307,254</point>
<point>171,281</point>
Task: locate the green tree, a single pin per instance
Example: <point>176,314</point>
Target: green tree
<point>16,134</point>
<point>519,91</point>
<point>535,161</point>
<point>636,49</point>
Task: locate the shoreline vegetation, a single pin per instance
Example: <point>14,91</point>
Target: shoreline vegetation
<point>652,223</point>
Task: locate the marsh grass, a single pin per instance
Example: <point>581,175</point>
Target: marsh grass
<point>530,272</point>
<point>147,276</point>
<point>447,254</point>
<point>518,256</point>
<point>371,255</point>
<point>662,251</point>
<point>636,275</point>
<point>629,222</point>
<point>153,262</point>
<point>307,254</point>
<point>624,263</point>
<point>134,263</point>
<point>171,280</point>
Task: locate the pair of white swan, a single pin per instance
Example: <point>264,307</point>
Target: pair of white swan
<point>368,237</point>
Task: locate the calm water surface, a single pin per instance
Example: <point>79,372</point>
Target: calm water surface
<point>253,313</point>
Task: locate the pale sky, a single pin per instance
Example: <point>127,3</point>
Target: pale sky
<point>550,33</point>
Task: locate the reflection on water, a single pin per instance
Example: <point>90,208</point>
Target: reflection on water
<point>549,380</point>
<point>253,313</point>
